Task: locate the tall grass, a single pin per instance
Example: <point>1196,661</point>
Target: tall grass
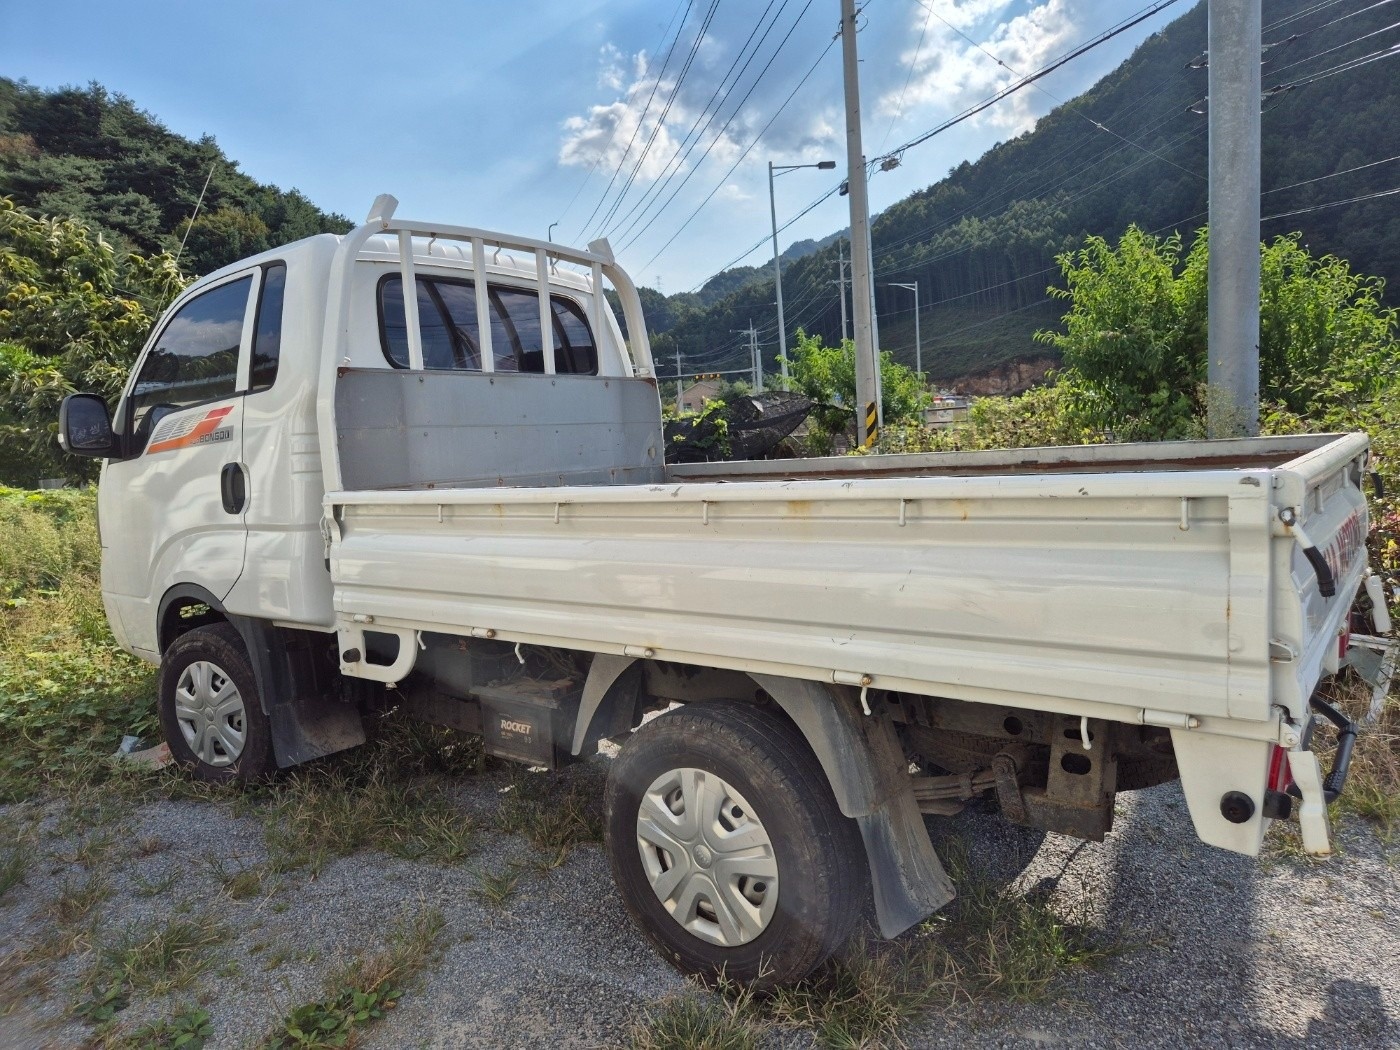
<point>67,693</point>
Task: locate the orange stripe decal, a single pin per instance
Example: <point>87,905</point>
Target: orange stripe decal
<point>195,434</point>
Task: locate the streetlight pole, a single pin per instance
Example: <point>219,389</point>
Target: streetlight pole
<point>918,344</point>
<point>783,169</point>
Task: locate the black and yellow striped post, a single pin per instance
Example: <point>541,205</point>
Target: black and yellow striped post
<point>872,432</point>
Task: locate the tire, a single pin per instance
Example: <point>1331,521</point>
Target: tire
<point>795,869</point>
<point>210,710</point>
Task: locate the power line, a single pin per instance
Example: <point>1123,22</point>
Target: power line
<point>1335,174</point>
<point>707,113</point>
<point>1332,204</point>
<point>720,134</point>
<point>640,120</point>
<point>1054,98</point>
<point>1046,70</point>
<point>1280,23</point>
<point>1331,50</point>
<point>660,123</point>
<point>918,51</point>
<point>805,77</point>
<point>1340,18</point>
<point>1123,110</point>
<point>617,127</point>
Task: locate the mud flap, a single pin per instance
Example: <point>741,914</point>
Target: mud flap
<point>909,881</point>
<point>869,776</point>
<point>306,724</point>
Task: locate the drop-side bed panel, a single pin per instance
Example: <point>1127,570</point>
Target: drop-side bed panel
<point>1083,587</point>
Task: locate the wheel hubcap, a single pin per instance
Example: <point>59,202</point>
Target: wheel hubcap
<point>209,710</point>
<point>707,856</point>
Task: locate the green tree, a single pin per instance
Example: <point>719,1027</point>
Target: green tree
<point>73,316</point>
<point>1134,338</point>
<point>826,375</point>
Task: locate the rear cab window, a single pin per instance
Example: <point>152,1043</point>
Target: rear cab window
<point>449,325</point>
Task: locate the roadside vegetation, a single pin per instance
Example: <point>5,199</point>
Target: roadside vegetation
<point>993,944</point>
<point>361,992</point>
<point>69,694</point>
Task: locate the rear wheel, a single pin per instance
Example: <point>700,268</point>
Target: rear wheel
<point>210,711</point>
<point>728,847</point>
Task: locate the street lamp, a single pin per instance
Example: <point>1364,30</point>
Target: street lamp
<point>782,169</point>
<point>918,345</point>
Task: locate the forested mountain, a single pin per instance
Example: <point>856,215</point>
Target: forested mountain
<point>981,243</point>
<point>87,153</point>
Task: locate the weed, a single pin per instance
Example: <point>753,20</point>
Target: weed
<point>544,863</point>
<point>365,989</point>
<point>555,819</point>
<point>1013,944</point>
<point>496,889</point>
<point>865,996</point>
<point>75,904</point>
<point>419,749</point>
<point>187,1030</point>
<point>316,815</point>
<point>158,962</point>
<point>101,1006</point>
<point>69,692</point>
<point>14,866</point>
<point>1373,782</point>
<point>90,850</point>
<point>694,1020</point>
<point>243,884</point>
<point>155,887</point>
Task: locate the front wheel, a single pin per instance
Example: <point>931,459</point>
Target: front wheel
<point>728,847</point>
<point>209,706</point>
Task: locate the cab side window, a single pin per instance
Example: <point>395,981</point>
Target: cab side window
<point>195,359</point>
<point>267,330</point>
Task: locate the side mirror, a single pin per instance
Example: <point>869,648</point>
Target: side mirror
<point>85,427</point>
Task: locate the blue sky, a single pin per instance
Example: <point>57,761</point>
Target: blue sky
<point>512,116</point>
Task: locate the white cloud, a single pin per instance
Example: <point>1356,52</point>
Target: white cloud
<point>616,133</point>
<point>951,73</point>
<point>612,74</point>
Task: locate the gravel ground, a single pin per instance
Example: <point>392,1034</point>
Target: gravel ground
<point>1220,951</point>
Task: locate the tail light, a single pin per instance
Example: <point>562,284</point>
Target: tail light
<point>1278,802</point>
<point>1280,775</point>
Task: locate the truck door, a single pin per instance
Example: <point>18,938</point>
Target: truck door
<point>172,508</point>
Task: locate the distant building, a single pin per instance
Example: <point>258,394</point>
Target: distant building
<point>943,410</point>
<point>693,398</point>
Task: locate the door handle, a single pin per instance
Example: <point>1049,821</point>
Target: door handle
<point>233,487</point>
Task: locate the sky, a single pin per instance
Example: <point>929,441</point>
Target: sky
<point>517,116</point>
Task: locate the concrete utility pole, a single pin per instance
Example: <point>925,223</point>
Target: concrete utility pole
<point>840,282</point>
<point>1235,52</point>
<point>867,368</point>
<point>754,359</point>
<point>680,383</point>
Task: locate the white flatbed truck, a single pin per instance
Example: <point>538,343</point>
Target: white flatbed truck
<point>317,486</point>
